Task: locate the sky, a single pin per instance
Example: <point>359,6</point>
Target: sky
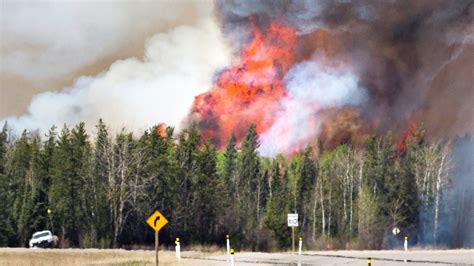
<point>132,64</point>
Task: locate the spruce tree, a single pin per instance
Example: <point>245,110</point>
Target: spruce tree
<point>230,165</point>
<point>251,206</point>
<point>102,173</point>
<point>206,203</point>
<point>6,230</point>
<point>187,154</point>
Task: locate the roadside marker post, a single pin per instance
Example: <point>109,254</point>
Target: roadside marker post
<point>227,239</point>
<point>231,257</point>
<point>157,221</point>
<point>405,244</point>
<point>178,249</point>
<point>369,261</point>
<point>292,222</point>
<point>300,245</point>
<point>50,220</point>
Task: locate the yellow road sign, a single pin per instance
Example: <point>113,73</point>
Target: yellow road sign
<point>157,221</point>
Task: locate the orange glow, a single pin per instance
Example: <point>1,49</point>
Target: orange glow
<point>249,91</point>
<point>161,130</point>
<point>407,136</point>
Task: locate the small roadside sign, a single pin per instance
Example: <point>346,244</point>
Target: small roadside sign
<point>395,231</point>
<point>293,222</point>
<point>157,221</point>
<point>292,219</point>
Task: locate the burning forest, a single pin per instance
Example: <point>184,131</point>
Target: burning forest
<point>341,111</point>
<point>332,73</point>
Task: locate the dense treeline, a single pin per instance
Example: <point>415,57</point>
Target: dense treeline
<point>101,189</point>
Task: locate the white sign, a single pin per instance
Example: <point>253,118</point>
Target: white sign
<point>292,219</point>
<point>395,231</point>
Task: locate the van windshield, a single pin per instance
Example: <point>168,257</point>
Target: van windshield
<point>40,235</point>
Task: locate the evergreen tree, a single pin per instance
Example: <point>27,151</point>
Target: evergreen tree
<point>35,210</point>
<point>187,155</point>
<point>230,165</point>
<point>102,173</point>
<point>278,204</point>
<point>6,230</point>
<point>206,197</point>
<point>21,184</point>
<point>68,193</point>
<point>250,186</point>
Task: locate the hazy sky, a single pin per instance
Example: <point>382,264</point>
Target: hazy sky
<point>72,46</point>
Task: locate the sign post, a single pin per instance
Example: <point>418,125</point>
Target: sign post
<point>157,244</point>
<point>156,221</point>
<point>292,222</point>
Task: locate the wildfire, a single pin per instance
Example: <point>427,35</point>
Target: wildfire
<point>410,134</point>
<point>161,130</point>
<point>248,92</point>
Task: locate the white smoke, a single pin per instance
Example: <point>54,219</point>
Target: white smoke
<point>43,40</point>
<point>178,65</point>
<point>313,87</point>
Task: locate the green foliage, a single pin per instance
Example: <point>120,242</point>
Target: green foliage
<point>101,194</point>
<point>6,228</point>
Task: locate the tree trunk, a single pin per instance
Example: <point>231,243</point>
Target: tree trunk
<point>438,187</point>
<point>323,218</point>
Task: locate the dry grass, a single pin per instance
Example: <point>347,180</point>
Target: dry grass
<point>50,257</point>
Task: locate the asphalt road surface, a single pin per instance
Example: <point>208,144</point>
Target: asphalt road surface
<point>392,257</point>
<point>103,257</point>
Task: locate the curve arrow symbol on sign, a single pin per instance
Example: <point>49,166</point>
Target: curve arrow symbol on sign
<point>157,219</point>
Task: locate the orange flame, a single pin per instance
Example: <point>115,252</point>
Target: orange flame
<point>248,92</point>
<point>161,130</point>
<point>407,136</point>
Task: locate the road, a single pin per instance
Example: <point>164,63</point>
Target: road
<point>392,257</point>
<point>53,257</point>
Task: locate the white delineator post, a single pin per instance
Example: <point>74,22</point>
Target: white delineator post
<point>405,244</point>
<point>231,257</point>
<point>300,245</point>
<point>178,248</point>
<point>227,239</point>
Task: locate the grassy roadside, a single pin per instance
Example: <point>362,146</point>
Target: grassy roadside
<point>51,257</point>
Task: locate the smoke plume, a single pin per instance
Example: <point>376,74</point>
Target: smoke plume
<point>135,93</point>
<point>312,88</point>
<point>398,58</point>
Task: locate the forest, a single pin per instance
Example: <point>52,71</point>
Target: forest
<point>101,188</point>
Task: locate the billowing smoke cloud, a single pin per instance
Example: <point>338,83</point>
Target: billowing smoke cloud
<point>312,88</point>
<point>43,40</point>
<point>407,54</point>
<point>133,93</point>
<point>46,45</point>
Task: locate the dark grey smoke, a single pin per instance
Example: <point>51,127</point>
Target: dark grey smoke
<point>403,50</point>
<point>459,221</point>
